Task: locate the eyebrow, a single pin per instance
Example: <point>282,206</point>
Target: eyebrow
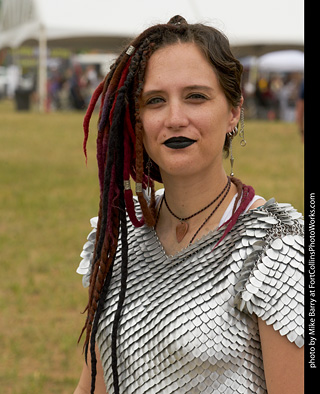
<point>200,87</point>
<point>188,88</point>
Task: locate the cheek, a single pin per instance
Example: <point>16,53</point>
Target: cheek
<point>217,120</point>
<point>213,130</point>
<point>147,136</point>
<point>151,129</point>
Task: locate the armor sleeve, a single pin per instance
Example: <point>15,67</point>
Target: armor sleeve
<point>87,254</point>
<point>271,282</point>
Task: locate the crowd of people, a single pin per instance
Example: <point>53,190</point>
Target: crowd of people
<point>69,85</point>
<point>72,88</point>
<point>273,96</point>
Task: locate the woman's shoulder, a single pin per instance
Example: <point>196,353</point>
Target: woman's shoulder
<point>257,202</point>
<point>271,282</point>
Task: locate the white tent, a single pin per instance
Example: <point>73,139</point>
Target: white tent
<point>247,22</point>
<point>282,61</point>
<point>108,24</point>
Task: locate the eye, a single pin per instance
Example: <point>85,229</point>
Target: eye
<point>197,96</point>
<point>154,101</point>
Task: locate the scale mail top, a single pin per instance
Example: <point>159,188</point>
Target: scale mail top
<point>190,321</point>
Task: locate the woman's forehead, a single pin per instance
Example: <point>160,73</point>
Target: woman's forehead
<point>179,63</point>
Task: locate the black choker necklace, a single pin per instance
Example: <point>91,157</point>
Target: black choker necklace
<point>183,227</point>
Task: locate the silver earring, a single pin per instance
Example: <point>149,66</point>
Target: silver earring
<point>231,135</point>
<point>149,165</point>
<point>243,142</point>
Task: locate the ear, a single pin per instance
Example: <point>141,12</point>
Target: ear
<point>235,115</point>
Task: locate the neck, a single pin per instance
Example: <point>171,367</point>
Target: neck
<point>186,196</point>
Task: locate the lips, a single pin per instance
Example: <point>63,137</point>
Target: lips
<point>178,142</point>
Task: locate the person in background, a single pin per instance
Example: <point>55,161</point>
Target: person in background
<point>300,111</point>
<point>75,94</point>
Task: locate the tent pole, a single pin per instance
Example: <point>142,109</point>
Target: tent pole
<point>42,69</point>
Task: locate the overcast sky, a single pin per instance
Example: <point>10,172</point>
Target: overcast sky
<point>244,22</point>
<point>248,18</point>
<point>245,19</point>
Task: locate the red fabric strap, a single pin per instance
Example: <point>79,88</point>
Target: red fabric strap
<point>247,195</point>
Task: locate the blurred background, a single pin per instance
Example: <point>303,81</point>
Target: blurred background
<point>53,53</point>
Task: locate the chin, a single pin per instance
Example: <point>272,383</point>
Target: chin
<point>180,170</point>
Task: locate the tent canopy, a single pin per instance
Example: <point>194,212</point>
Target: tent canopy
<point>282,61</point>
<point>108,24</point>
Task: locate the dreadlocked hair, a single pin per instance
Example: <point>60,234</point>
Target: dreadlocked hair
<point>121,156</point>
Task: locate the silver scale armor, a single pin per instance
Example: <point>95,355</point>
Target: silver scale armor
<point>189,322</point>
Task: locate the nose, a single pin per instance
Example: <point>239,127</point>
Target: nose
<point>176,116</point>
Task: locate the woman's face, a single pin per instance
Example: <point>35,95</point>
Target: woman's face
<point>184,112</point>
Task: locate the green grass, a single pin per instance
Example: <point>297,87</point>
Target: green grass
<point>47,197</point>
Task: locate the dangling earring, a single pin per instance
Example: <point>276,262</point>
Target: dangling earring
<point>231,135</point>
<point>243,142</point>
<point>148,166</point>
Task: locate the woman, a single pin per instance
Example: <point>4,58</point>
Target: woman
<point>200,290</point>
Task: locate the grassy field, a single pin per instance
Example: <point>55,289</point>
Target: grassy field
<point>47,197</point>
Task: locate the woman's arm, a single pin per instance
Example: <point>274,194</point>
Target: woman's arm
<point>283,362</point>
<point>84,384</point>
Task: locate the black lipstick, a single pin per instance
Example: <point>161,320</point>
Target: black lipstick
<point>178,142</point>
